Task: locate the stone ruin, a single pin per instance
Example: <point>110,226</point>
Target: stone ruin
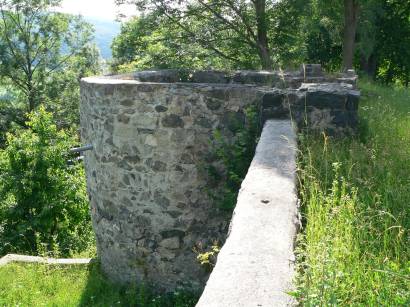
<point>151,131</point>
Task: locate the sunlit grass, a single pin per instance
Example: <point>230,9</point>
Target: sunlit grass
<point>45,285</point>
<point>355,245</point>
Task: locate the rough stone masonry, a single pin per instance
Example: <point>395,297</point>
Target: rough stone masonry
<point>151,132</point>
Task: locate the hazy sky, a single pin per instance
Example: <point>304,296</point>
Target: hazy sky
<point>103,9</point>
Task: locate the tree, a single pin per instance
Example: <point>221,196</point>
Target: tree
<point>332,27</point>
<point>322,30</point>
<point>11,114</point>
<point>368,30</point>
<point>237,21</point>
<point>210,34</point>
<point>42,199</point>
<point>150,41</point>
<point>351,18</point>
<point>392,50</point>
<point>36,44</point>
<point>61,94</point>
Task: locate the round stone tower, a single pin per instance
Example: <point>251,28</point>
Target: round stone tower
<point>146,173</point>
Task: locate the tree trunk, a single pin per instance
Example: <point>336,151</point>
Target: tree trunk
<point>368,65</point>
<point>262,35</point>
<point>31,101</point>
<point>30,89</point>
<point>351,16</point>
<point>31,95</point>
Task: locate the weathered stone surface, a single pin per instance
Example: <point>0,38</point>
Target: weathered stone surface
<point>170,243</point>
<point>127,102</point>
<point>255,267</point>
<point>172,121</point>
<point>170,75</point>
<point>203,122</point>
<point>210,76</point>
<point>312,70</point>
<point>161,109</point>
<point>149,173</point>
<point>151,136</point>
<point>253,77</point>
<point>274,105</point>
<point>213,104</point>
<point>326,107</point>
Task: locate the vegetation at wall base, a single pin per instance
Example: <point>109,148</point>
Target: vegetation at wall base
<point>79,285</point>
<point>235,154</point>
<point>355,245</point>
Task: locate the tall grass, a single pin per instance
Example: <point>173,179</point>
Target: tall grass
<point>355,192</point>
<point>49,285</point>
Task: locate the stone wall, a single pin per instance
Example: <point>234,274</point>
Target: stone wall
<point>151,135</point>
<point>319,107</point>
<point>145,174</point>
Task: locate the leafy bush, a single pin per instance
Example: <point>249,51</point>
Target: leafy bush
<point>43,204</point>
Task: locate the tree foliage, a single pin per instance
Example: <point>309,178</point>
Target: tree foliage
<point>42,199</point>
<point>211,34</point>
<point>221,35</point>
<point>151,42</point>
<point>392,51</point>
<point>233,21</point>
<point>37,46</point>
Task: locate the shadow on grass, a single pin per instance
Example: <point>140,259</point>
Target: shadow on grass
<point>99,291</point>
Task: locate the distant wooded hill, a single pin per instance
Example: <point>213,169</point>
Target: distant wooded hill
<point>105,31</point>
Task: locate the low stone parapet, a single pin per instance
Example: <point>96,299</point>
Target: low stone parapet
<point>320,107</point>
<point>255,267</point>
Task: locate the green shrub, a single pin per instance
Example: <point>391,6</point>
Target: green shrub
<point>43,204</point>
<point>236,156</point>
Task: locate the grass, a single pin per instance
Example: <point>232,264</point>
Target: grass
<point>45,285</point>
<point>355,245</point>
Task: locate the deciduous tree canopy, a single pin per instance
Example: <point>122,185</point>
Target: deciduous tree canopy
<point>37,45</point>
<point>269,34</point>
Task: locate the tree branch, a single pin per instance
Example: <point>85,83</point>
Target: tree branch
<point>200,41</point>
<point>226,21</point>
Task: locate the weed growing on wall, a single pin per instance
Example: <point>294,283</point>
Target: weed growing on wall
<point>234,155</point>
<point>207,258</point>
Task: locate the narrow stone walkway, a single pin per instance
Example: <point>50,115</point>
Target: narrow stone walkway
<point>35,259</point>
<point>256,265</point>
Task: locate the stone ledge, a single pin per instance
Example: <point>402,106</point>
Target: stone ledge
<point>44,260</point>
<point>255,267</point>
<point>309,73</point>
